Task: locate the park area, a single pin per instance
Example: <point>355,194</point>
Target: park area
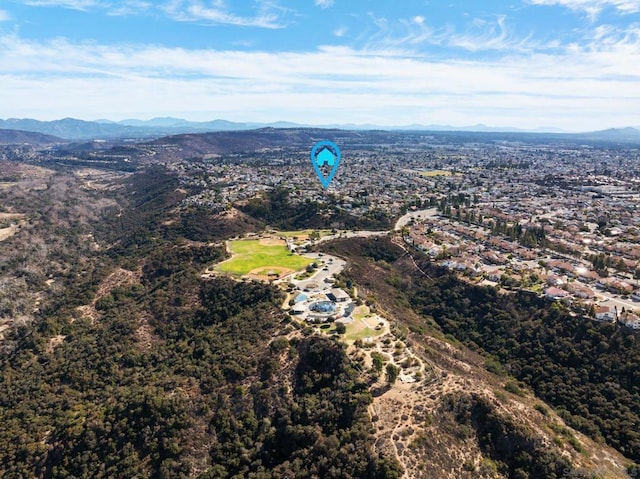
<point>261,259</point>
<point>365,325</point>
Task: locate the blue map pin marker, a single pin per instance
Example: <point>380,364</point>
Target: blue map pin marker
<point>325,153</point>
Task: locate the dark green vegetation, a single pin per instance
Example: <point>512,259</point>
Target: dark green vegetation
<point>587,370</point>
<point>513,452</point>
<point>276,209</point>
<point>174,375</point>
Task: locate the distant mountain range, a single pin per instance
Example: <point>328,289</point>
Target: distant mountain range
<point>613,134</point>
<point>223,125</point>
<point>73,129</point>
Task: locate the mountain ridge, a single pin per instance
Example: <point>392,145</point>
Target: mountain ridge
<point>12,137</point>
<point>75,129</point>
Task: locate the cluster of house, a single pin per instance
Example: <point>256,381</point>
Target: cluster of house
<point>471,251</point>
<point>610,314</point>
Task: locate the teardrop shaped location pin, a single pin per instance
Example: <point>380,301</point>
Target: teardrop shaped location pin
<point>325,154</point>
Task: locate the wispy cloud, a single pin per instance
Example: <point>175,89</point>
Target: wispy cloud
<point>593,7</point>
<point>72,4</point>
<point>412,35</point>
<point>129,7</point>
<point>582,87</point>
<point>4,16</point>
<point>324,3</point>
<point>268,14</point>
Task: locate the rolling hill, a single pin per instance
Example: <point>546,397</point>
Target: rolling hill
<point>15,137</point>
<point>74,129</point>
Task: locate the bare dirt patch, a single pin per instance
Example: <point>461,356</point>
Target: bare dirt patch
<point>6,233</point>
<point>145,335</point>
<point>3,328</point>
<point>88,311</point>
<point>272,242</point>
<point>17,220</point>
<point>11,216</point>
<point>270,272</point>
<point>118,278</point>
<point>55,342</point>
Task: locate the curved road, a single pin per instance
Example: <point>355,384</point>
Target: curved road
<point>414,215</point>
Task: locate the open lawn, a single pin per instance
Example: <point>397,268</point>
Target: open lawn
<point>360,330</point>
<point>361,312</point>
<point>252,256</point>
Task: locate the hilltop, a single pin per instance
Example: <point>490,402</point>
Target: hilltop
<point>13,137</point>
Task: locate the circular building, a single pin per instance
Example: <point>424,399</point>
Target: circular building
<point>320,311</point>
<point>323,307</point>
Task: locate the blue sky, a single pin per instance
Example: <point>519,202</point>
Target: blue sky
<point>569,64</point>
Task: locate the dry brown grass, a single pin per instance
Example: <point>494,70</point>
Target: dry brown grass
<point>272,242</point>
<point>265,274</point>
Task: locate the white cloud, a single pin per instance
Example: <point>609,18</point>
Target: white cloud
<point>129,7</point>
<point>72,4</point>
<point>4,16</point>
<point>324,3</point>
<point>593,7</point>
<point>589,87</point>
<point>268,15</point>
<point>340,32</point>
<point>407,36</point>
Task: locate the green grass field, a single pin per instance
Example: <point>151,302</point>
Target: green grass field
<point>360,312</point>
<point>356,332</point>
<point>249,255</point>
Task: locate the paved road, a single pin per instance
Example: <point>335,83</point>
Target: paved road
<point>605,299</point>
<point>333,264</point>
<point>415,215</point>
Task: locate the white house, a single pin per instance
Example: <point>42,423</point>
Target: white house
<point>338,295</point>
<point>630,320</point>
<point>605,313</point>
